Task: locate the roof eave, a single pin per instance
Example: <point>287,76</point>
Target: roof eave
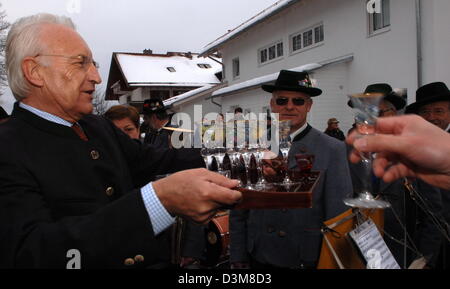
<point>216,47</point>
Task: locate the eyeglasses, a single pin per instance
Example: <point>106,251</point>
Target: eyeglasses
<point>85,61</point>
<point>428,112</point>
<point>384,111</point>
<point>284,101</point>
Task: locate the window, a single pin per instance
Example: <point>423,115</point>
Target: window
<point>263,56</point>
<point>161,94</point>
<point>271,52</point>
<point>280,49</point>
<point>171,69</point>
<point>318,34</point>
<point>308,38</point>
<point>297,42</point>
<point>380,21</point>
<point>204,65</point>
<point>236,68</point>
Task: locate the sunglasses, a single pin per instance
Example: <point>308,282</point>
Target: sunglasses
<point>284,101</point>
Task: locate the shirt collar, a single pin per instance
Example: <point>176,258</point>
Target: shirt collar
<point>297,132</point>
<point>45,115</point>
<point>448,127</point>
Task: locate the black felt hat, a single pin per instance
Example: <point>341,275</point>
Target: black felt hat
<point>293,81</point>
<point>432,92</point>
<point>153,105</point>
<point>389,95</point>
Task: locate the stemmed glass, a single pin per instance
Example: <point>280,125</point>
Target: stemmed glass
<point>219,154</point>
<point>366,109</point>
<point>206,153</point>
<point>248,156</point>
<point>285,146</point>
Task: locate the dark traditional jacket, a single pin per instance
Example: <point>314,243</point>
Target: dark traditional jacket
<point>290,238</point>
<point>58,192</point>
<point>336,133</point>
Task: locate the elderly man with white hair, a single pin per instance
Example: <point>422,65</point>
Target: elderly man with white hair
<point>71,181</point>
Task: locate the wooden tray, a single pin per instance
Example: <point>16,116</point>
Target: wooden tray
<point>278,197</point>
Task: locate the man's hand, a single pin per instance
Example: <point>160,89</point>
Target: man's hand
<point>196,194</point>
<point>407,146</point>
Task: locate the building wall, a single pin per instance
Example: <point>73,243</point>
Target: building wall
<point>333,80</point>
<point>188,107</point>
<point>436,41</point>
<point>387,57</point>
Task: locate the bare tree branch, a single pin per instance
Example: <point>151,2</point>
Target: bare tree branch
<point>99,103</point>
<point>4,26</point>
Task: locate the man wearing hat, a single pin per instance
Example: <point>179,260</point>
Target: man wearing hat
<point>389,105</point>
<point>333,129</point>
<point>156,117</point>
<point>433,104</point>
<point>292,238</point>
<point>404,212</point>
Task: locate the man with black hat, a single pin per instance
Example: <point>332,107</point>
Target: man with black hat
<point>404,213</point>
<point>433,104</point>
<point>333,129</point>
<point>156,118</point>
<point>292,238</point>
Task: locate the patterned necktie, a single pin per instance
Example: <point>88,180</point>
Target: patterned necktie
<point>77,128</point>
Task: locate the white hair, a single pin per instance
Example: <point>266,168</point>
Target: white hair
<point>23,41</point>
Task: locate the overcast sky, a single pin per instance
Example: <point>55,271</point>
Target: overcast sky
<point>134,25</point>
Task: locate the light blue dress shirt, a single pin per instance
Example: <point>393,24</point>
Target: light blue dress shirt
<point>159,217</point>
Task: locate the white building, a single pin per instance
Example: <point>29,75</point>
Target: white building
<point>134,77</point>
<point>344,47</point>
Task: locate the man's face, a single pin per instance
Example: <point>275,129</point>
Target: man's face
<point>68,73</point>
<point>334,125</point>
<point>386,109</point>
<point>296,113</point>
<point>438,113</point>
<point>156,123</point>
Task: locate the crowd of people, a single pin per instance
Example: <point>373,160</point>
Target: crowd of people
<point>74,180</point>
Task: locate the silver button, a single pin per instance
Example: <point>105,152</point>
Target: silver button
<point>95,155</point>
<point>110,191</point>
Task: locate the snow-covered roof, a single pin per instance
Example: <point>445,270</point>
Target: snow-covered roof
<point>146,70</point>
<point>266,13</point>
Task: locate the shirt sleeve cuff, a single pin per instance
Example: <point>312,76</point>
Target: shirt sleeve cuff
<point>159,217</point>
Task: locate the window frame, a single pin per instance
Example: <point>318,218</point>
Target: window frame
<point>372,30</point>
<point>299,38</point>
<point>278,53</point>
<point>236,70</point>
<point>204,65</point>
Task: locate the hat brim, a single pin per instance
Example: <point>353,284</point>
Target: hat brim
<point>414,107</point>
<point>311,91</point>
<point>148,111</point>
<point>398,102</point>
